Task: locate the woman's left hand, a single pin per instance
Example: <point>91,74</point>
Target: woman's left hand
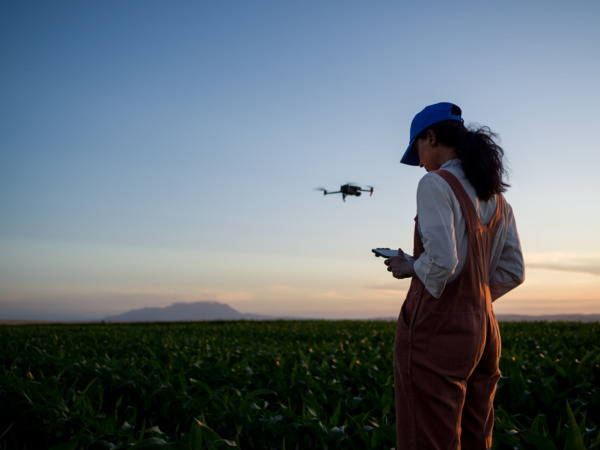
<point>400,266</point>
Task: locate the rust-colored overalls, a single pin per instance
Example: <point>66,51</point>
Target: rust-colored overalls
<point>447,350</point>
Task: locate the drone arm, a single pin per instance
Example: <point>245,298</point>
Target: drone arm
<point>369,190</point>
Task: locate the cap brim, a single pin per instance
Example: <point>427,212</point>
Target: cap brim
<point>410,157</point>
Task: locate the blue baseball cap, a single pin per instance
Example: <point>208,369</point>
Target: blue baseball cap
<point>432,114</point>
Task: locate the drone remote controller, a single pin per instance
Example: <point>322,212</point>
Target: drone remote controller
<point>387,253</point>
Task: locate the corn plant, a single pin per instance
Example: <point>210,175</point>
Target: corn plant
<point>270,385</point>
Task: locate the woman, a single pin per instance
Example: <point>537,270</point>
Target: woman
<point>466,254</point>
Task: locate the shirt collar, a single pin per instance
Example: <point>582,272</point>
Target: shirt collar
<point>451,163</point>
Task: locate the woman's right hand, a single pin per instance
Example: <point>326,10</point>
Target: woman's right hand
<point>400,266</point>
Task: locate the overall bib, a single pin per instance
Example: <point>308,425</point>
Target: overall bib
<point>447,350</point>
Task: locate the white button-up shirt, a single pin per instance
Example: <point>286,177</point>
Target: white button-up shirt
<point>445,240</point>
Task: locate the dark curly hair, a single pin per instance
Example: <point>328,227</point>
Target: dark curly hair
<point>481,157</point>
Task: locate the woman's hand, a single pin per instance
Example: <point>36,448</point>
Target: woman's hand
<point>400,266</point>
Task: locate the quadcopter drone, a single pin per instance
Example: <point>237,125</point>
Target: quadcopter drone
<point>349,189</point>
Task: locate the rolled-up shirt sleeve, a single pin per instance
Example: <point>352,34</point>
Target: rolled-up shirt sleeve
<point>435,211</point>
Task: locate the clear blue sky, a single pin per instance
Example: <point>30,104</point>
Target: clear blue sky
<point>154,152</point>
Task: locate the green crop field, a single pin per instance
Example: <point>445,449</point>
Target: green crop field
<point>270,385</point>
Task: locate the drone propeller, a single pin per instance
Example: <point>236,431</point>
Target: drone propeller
<point>321,189</point>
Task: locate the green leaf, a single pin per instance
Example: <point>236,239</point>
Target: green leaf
<point>539,441</point>
<point>210,435</point>
<point>336,414</point>
<point>7,430</point>
<point>538,434</point>
<point>196,434</point>
<point>574,439</point>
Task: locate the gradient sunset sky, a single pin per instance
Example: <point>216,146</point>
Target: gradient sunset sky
<point>154,152</point>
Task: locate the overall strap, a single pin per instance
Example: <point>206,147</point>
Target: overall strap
<point>481,236</point>
<point>467,206</point>
<point>463,198</point>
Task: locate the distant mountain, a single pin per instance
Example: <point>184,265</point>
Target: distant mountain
<point>179,312</point>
